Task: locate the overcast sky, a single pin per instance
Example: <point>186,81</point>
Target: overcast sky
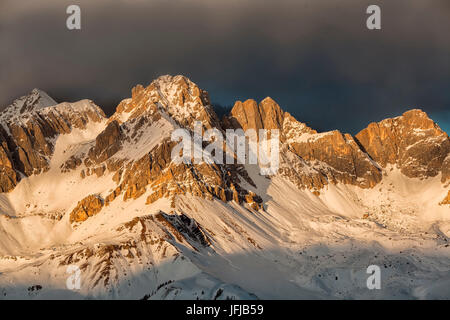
<point>316,58</point>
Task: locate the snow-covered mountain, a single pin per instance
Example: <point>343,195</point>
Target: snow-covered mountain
<point>36,99</point>
<point>80,190</point>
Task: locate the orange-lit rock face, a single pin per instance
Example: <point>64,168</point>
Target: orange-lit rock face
<point>345,162</point>
<point>271,114</point>
<point>136,213</point>
<point>413,142</point>
<point>246,115</point>
<point>446,199</point>
<point>89,206</point>
<point>446,170</point>
<point>249,115</point>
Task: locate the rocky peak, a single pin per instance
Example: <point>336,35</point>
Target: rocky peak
<point>135,146</point>
<point>177,96</point>
<point>412,142</point>
<point>271,114</point>
<point>28,129</point>
<point>251,115</point>
<point>36,99</point>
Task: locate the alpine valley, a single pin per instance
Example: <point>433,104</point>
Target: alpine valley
<point>102,194</point>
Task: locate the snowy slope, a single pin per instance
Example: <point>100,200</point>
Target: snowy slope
<point>307,247</point>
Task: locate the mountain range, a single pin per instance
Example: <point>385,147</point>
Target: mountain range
<point>102,194</point>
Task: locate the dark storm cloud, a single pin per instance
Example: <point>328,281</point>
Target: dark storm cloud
<point>316,58</point>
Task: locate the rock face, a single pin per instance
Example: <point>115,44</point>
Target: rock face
<point>107,143</point>
<point>89,206</point>
<point>446,199</point>
<point>412,142</point>
<point>28,129</point>
<point>250,115</point>
<point>344,161</point>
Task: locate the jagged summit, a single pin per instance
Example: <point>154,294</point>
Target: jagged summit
<point>36,99</point>
<point>29,128</point>
<point>44,99</point>
<point>21,108</point>
<point>176,96</point>
<point>413,119</point>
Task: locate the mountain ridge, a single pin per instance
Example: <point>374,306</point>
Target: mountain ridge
<point>103,194</point>
<point>265,115</point>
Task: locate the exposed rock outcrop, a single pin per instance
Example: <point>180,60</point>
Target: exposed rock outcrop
<point>87,207</point>
<point>446,199</point>
<point>251,115</point>
<point>105,166</point>
<point>339,157</point>
<point>107,143</point>
<point>35,100</point>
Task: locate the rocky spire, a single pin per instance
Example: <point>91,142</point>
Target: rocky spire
<point>251,115</point>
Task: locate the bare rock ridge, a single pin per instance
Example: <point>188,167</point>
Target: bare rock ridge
<point>87,207</point>
<point>144,123</point>
<point>135,146</point>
